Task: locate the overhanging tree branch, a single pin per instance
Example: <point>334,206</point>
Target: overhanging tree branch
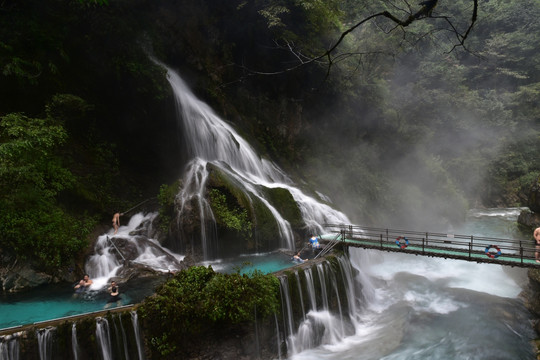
<point>328,58</point>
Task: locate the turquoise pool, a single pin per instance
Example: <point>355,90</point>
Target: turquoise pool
<point>57,301</point>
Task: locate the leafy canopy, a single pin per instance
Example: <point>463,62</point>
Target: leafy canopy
<point>32,224</point>
<point>199,299</point>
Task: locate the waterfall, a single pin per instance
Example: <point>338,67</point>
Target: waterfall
<point>120,337</point>
<point>336,316</point>
<point>311,289</point>
<point>107,262</point>
<point>278,338</point>
<point>322,281</point>
<point>137,332</point>
<point>287,312</point>
<point>300,293</point>
<point>103,338</point>
<point>74,342</point>
<point>210,140</point>
<point>9,347</point>
<point>45,342</point>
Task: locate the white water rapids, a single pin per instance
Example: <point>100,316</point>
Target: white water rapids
<point>430,308</point>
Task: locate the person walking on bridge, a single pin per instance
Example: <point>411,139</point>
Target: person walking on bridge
<point>536,235</point>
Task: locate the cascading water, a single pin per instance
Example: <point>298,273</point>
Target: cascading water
<point>211,140</point>
<point>74,342</point>
<point>103,338</point>
<point>322,324</point>
<point>398,306</point>
<point>107,260</point>
<point>9,347</point>
<point>45,342</point>
<point>137,333</point>
<point>121,341</point>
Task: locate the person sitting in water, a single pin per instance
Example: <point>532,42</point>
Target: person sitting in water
<point>84,284</point>
<point>298,259</point>
<point>314,241</point>
<point>114,295</point>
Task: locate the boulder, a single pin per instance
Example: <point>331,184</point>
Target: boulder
<point>22,277</point>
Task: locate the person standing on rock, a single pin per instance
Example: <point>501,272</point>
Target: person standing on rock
<point>536,235</point>
<point>116,222</point>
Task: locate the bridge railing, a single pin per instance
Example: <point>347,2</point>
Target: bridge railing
<point>469,247</point>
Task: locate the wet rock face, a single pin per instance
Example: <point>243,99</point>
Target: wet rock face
<point>531,218</point>
<point>534,196</point>
<point>22,277</point>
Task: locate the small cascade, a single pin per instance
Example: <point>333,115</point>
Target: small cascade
<point>322,280</point>
<point>310,284</point>
<point>287,312</point>
<point>278,337</point>
<point>45,342</point>
<point>120,338</point>
<point>103,338</point>
<point>137,333</point>
<point>74,341</point>
<point>9,347</point>
<point>112,252</point>
<point>332,317</point>
<point>300,293</point>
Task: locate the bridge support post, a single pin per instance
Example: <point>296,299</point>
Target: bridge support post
<point>470,247</point>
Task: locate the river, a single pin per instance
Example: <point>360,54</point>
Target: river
<point>432,308</point>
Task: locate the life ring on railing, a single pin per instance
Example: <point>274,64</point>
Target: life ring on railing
<point>402,244</point>
<point>493,255</point>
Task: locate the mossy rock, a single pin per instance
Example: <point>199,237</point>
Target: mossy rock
<point>284,202</point>
<point>257,230</point>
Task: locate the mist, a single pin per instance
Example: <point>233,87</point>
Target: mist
<point>433,135</point>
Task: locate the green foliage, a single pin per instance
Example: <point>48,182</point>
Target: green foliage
<point>307,23</point>
<point>232,217</point>
<point>166,198</point>
<point>32,224</point>
<point>199,299</point>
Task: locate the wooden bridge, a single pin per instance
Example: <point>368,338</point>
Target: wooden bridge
<point>449,246</point>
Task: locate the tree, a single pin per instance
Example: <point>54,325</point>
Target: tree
<point>395,17</point>
<point>32,224</point>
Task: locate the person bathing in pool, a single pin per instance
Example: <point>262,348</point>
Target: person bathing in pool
<point>298,259</point>
<point>114,295</point>
<point>84,284</point>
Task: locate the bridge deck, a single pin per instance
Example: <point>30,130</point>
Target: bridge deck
<point>464,247</point>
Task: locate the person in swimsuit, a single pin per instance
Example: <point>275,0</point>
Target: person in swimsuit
<point>114,295</point>
<point>116,221</point>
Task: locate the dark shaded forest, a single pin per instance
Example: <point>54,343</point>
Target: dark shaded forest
<point>404,129</point>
